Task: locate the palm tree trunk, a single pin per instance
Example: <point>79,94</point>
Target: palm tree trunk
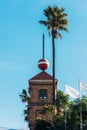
<point>53,69</point>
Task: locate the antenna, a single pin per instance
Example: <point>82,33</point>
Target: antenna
<point>43,47</point>
<point>43,64</point>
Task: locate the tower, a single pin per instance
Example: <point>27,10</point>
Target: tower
<point>41,92</point>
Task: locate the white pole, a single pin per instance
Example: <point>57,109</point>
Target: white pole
<point>65,112</point>
<point>65,118</point>
<point>81,125</point>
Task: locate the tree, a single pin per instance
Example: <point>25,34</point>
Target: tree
<point>25,99</point>
<point>56,22</point>
<point>73,115</point>
<point>62,104</point>
<point>56,121</point>
<point>53,117</point>
<point>62,101</point>
<point>42,125</point>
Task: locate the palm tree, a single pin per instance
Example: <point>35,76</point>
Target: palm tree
<point>25,99</point>
<point>56,22</point>
<point>62,101</point>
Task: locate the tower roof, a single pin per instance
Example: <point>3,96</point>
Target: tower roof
<point>42,76</point>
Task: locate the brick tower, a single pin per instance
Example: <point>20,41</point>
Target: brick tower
<point>41,93</point>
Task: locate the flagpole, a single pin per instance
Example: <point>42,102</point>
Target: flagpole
<point>65,119</point>
<point>65,109</point>
<point>72,92</point>
<point>81,125</point>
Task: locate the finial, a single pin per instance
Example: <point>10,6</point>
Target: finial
<point>43,64</point>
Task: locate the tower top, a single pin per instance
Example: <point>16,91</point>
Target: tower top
<point>42,76</point>
<point>43,64</point>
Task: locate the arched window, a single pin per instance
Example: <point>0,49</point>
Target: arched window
<point>43,94</point>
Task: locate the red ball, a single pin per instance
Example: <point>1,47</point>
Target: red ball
<point>43,64</point>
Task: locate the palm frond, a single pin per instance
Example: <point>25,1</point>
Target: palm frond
<point>60,35</point>
<point>24,92</point>
<point>56,18</point>
<point>65,29</point>
<point>24,96</point>
<point>43,22</point>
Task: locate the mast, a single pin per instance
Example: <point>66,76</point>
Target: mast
<point>81,122</point>
<point>43,48</point>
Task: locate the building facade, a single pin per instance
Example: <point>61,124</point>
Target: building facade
<point>41,93</point>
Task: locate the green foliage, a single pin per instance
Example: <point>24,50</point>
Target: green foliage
<point>24,96</point>
<point>55,114</point>
<point>76,108</point>
<point>25,99</point>
<point>50,113</point>
<point>56,20</point>
<point>42,125</point>
<point>57,120</point>
<point>62,100</point>
<point>49,109</point>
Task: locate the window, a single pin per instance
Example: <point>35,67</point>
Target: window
<point>42,93</point>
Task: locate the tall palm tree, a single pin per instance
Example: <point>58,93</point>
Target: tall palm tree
<point>55,22</point>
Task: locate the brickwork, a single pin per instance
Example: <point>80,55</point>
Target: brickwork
<point>35,102</point>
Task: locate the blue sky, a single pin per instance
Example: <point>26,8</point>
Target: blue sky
<point>21,49</point>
